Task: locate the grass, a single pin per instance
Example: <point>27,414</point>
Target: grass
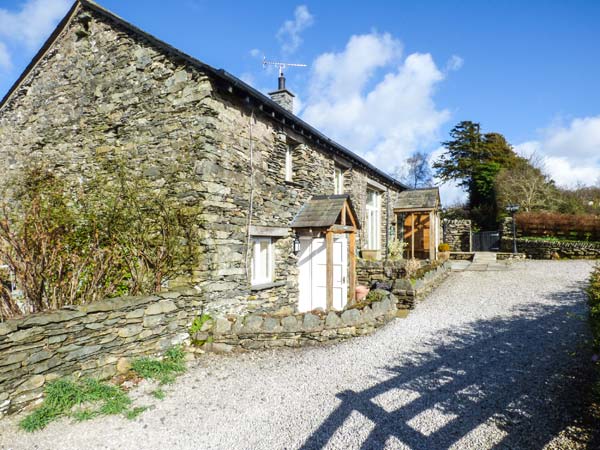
<point>164,371</point>
<point>89,398</point>
<point>158,394</point>
<point>64,395</point>
<point>198,323</point>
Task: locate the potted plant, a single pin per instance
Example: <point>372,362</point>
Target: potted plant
<point>444,251</point>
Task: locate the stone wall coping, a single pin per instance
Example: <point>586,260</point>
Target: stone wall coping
<point>262,287</point>
<point>71,312</point>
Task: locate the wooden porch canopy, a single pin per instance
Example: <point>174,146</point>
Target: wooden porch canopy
<point>332,214</point>
<point>418,211</point>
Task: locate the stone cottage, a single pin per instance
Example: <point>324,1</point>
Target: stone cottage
<point>285,210</point>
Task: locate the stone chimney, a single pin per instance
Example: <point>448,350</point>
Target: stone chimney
<point>282,96</point>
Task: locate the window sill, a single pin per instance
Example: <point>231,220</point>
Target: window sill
<point>262,287</point>
<point>295,184</point>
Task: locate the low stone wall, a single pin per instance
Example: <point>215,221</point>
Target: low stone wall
<point>91,340</point>
<point>406,290</point>
<point>462,256</point>
<point>510,256</point>
<point>457,233</point>
<point>100,340</point>
<point>539,249</point>
<point>261,331</point>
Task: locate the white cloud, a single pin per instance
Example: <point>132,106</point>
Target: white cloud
<point>289,34</point>
<point>29,26</point>
<point>454,63</point>
<point>571,152</point>
<point>34,22</point>
<point>370,99</point>
<point>5,60</point>
<point>255,53</point>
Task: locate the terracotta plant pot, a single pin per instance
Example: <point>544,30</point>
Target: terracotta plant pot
<point>361,292</point>
<point>371,255</point>
<point>443,256</point>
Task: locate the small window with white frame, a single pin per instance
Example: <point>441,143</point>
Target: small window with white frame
<point>262,260</point>
<point>289,163</point>
<point>338,180</point>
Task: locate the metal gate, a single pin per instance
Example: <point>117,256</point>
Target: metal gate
<point>486,241</point>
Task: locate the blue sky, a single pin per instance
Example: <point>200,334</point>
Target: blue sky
<point>387,78</point>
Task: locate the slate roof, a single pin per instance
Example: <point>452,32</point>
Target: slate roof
<point>322,211</point>
<point>428,198</point>
<point>251,96</point>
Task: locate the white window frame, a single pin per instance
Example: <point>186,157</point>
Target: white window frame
<point>289,163</point>
<point>257,261</point>
<point>373,221</point>
<point>338,180</point>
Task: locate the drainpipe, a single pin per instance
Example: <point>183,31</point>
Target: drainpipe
<point>251,207</point>
<point>387,223</point>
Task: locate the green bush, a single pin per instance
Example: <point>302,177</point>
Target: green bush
<point>594,303</point>
<point>114,233</point>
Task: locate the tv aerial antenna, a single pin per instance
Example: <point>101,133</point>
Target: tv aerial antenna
<point>281,65</point>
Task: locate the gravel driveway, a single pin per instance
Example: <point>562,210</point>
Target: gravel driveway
<point>489,360</point>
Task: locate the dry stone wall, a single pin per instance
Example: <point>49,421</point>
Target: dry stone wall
<point>101,339</point>
<point>261,331</point>
<point>541,249</point>
<point>92,340</point>
<point>392,274</point>
<point>457,233</point>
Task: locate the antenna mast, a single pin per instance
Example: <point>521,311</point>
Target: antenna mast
<point>281,65</point>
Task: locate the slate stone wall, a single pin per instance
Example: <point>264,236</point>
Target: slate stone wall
<point>458,235</point>
<point>92,340</point>
<point>261,331</point>
<point>102,93</point>
<point>101,339</point>
<point>406,291</point>
<point>538,249</point>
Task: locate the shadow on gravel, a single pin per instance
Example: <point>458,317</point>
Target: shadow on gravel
<point>522,373</point>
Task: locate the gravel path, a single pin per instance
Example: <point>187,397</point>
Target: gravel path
<point>489,360</point>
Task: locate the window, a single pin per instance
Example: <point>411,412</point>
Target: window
<point>373,219</point>
<point>288,163</point>
<point>262,261</point>
<point>338,180</point>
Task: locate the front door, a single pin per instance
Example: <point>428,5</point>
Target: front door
<point>312,265</point>
<point>340,271</point>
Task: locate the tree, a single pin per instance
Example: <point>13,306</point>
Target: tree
<point>525,184</point>
<point>474,160</point>
<point>418,174</point>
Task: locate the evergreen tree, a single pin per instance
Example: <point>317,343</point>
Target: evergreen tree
<point>474,160</point>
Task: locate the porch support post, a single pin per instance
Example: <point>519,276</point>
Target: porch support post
<point>431,236</point>
<point>412,234</point>
<point>329,280</point>
<point>352,267</point>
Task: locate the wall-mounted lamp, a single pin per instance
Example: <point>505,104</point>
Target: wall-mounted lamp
<point>296,245</point>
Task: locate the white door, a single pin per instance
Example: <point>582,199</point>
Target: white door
<point>312,266</point>
<point>340,271</point>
